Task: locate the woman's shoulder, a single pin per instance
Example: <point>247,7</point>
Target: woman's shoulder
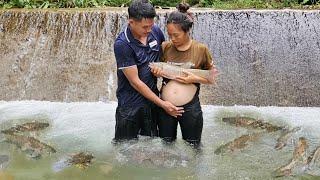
<point>199,45</point>
<point>167,44</point>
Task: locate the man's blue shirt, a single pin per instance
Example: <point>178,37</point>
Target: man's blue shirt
<point>131,52</point>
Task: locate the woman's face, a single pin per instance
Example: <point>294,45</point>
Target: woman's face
<point>177,35</point>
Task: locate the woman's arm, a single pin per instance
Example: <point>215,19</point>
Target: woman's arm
<point>192,78</point>
<point>205,63</point>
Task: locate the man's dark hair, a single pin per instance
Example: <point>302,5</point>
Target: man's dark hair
<point>140,9</point>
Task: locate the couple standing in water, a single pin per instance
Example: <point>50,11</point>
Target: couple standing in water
<point>140,110</point>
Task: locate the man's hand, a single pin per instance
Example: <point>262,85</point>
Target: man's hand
<point>132,75</point>
<point>172,109</point>
<point>156,71</point>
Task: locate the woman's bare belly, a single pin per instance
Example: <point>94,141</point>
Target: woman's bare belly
<point>178,93</point>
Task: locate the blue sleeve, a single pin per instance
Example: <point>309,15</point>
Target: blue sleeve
<point>124,54</point>
<point>160,38</point>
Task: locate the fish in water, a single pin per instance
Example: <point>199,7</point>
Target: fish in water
<point>4,161</point>
<point>315,155</point>
<point>158,156</point>
<point>238,143</point>
<point>299,155</point>
<point>310,176</point>
<point>29,144</point>
<point>249,122</point>
<point>29,126</point>
<point>172,71</point>
<point>81,160</point>
<point>283,139</point>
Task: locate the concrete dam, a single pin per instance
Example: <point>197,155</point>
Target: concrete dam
<point>264,57</point>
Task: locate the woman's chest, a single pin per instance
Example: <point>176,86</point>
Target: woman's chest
<point>178,56</point>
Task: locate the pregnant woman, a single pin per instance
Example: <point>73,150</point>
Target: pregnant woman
<point>183,90</point>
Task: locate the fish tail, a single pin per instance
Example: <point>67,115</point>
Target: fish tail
<point>220,150</point>
<point>50,149</point>
<point>212,74</point>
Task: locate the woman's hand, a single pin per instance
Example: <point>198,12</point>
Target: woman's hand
<point>188,78</point>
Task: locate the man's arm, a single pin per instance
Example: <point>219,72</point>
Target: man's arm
<point>131,74</point>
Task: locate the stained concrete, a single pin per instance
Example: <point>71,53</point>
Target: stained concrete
<point>265,57</point>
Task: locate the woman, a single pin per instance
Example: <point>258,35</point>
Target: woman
<point>184,90</point>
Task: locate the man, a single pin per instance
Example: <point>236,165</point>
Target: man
<point>137,93</point>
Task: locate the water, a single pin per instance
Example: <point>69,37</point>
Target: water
<point>89,127</point>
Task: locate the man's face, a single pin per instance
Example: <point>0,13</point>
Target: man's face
<point>141,28</point>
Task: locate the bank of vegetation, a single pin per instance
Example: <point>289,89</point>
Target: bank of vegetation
<point>217,4</point>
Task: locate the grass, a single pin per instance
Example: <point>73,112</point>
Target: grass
<point>217,4</point>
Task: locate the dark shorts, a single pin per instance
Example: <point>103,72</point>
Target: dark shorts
<point>134,121</point>
<point>191,123</point>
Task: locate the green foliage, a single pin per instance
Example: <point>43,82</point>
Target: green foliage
<point>217,4</point>
<point>169,3</point>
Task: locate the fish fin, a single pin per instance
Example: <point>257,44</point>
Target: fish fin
<point>282,172</point>
<point>35,155</point>
<point>186,65</point>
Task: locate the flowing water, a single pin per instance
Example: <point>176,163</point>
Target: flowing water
<point>89,127</point>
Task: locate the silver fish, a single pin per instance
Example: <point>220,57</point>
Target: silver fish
<point>251,123</point>
<point>315,155</point>
<point>172,71</point>
<point>238,143</point>
<point>26,127</point>
<point>29,144</point>
<point>81,160</point>
<point>299,155</point>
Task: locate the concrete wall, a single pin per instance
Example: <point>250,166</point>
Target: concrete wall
<point>264,57</point>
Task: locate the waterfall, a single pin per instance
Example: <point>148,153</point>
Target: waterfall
<point>264,57</point>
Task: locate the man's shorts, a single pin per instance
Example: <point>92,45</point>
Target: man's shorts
<point>134,121</point>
